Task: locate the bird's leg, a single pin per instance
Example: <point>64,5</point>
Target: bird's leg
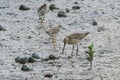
<point>63,48</point>
<point>41,18</point>
<point>77,51</point>
<point>72,50</point>
<point>42,21</point>
<point>54,41</point>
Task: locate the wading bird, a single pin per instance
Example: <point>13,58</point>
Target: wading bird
<point>73,39</point>
<point>53,31</point>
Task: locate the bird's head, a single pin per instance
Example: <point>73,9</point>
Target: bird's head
<point>44,5</point>
<point>87,33</point>
<point>48,32</point>
<point>66,40</point>
<point>60,26</point>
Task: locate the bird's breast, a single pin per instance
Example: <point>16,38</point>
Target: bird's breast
<point>73,41</point>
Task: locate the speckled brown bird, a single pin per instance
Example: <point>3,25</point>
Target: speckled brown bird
<point>73,39</point>
<point>53,31</point>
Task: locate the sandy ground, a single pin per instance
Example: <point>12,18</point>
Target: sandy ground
<point>20,25</point>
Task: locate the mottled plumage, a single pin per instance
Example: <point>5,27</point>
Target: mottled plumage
<point>73,39</point>
<point>53,31</point>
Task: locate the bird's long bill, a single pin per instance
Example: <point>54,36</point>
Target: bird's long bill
<point>63,48</point>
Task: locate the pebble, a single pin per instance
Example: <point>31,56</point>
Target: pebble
<point>48,75</point>
<point>61,14</point>
<point>67,10</point>
<point>1,28</point>
<point>94,23</point>
<point>23,7</point>
<point>52,7</point>
<point>31,60</point>
<point>52,57</point>
<point>75,2</point>
<point>49,0</point>
<point>17,59</point>
<point>23,60</point>
<point>35,56</point>
<point>75,7</point>
<point>26,68</point>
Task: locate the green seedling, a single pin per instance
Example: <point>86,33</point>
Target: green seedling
<point>41,18</point>
<point>91,54</point>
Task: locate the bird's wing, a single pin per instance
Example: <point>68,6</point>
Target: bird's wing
<point>41,10</point>
<point>78,36</point>
<point>55,30</point>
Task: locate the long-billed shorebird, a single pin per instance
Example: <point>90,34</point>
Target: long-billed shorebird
<point>73,39</point>
<point>53,31</point>
<point>41,12</point>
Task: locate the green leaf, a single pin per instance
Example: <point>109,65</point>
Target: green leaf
<point>91,47</point>
<point>40,17</point>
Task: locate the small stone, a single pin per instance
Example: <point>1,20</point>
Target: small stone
<point>75,2</point>
<point>29,37</point>
<point>50,62</point>
<point>67,10</point>
<point>94,23</point>
<point>23,60</point>
<point>48,75</point>
<point>103,12</point>
<point>46,59</point>
<point>69,57</point>
<point>1,28</point>
<point>75,7</point>
<point>46,42</point>
<point>61,14</point>
<point>17,59</point>
<point>49,0</point>
<point>52,57</point>
<point>31,60</point>
<point>52,7</point>
<point>3,39</point>
<point>26,68</point>
<point>35,56</point>
<point>23,7</point>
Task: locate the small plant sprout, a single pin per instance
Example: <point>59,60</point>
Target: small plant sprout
<point>91,54</point>
<point>41,18</point>
<point>74,39</point>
